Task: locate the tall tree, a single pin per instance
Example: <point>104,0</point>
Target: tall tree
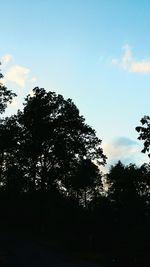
<point>56,138</point>
<point>6,97</point>
<point>144,135</point>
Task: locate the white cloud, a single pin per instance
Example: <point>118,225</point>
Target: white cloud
<point>130,64</point>
<point>17,74</point>
<point>6,58</point>
<point>141,67</point>
<point>33,79</point>
<point>116,151</point>
<point>124,149</point>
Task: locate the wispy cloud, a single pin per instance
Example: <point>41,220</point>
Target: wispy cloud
<point>129,63</point>
<point>5,59</point>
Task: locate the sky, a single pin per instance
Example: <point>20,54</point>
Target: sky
<point>96,52</point>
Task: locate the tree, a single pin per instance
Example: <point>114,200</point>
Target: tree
<point>124,182</point>
<point>6,96</point>
<point>85,180</point>
<point>55,139</point>
<point>144,133</point>
<point>128,193</point>
<point>10,157</point>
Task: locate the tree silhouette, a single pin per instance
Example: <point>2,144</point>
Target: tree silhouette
<point>85,180</point>
<point>126,183</point>
<point>144,133</point>
<point>6,96</point>
<point>10,139</point>
<point>50,179</point>
<point>56,139</point>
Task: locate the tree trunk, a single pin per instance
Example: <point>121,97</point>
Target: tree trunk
<point>1,165</point>
<point>85,198</point>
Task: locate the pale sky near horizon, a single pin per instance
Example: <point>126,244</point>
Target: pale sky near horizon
<point>96,52</point>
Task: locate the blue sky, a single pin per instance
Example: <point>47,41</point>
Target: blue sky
<point>95,52</point>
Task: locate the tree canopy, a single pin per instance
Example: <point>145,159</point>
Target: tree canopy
<point>48,140</point>
<point>6,96</point>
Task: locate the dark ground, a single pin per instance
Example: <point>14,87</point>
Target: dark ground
<point>19,251</point>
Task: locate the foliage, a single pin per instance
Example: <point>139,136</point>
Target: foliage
<point>55,139</point>
<point>144,133</point>
<point>6,96</point>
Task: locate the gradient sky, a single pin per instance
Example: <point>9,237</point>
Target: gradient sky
<point>96,52</point>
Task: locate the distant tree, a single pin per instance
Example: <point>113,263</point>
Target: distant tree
<point>115,179</point>
<point>6,96</point>
<point>128,192</point>
<point>124,182</point>
<point>86,180</point>
<point>145,181</point>
<point>144,187</point>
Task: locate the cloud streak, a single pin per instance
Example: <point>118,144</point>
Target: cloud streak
<point>129,63</point>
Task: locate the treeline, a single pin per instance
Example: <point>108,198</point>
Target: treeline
<point>51,182</point>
